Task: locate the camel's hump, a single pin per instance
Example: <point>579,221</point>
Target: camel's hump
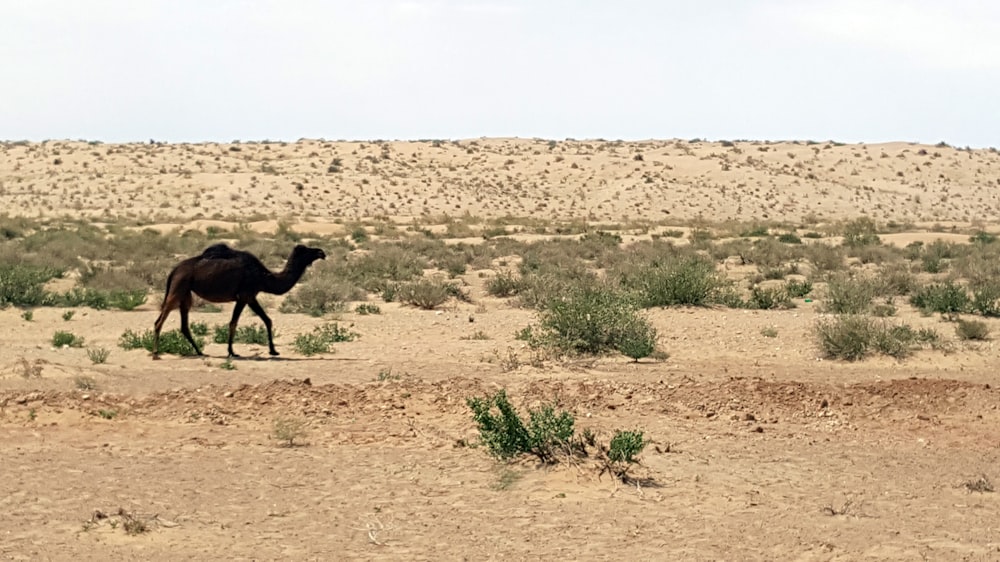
<point>219,251</point>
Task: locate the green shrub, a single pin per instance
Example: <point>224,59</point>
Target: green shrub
<point>690,281</point>
<point>945,298</point>
<point>798,289</point>
<point>983,238</point>
<point>321,338</point>
<point>321,295</point>
<point>506,436</point>
<point>847,337</point>
<point>504,284</point>
<point>861,232</point>
<point>767,298</point>
<point>66,339</point>
<point>592,320</point>
<point>972,330</point>
<point>427,294</point>
<point>366,308</point>
<point>637,339</point>
<point>172,342</point>
<point>851,337</point>
<point>24,285</point>
<point>98,355</point>
<point>625,446</point>
<point>986,298</point>
<point>789,238</point>
<point>850,295</point>
<point>256,334</point>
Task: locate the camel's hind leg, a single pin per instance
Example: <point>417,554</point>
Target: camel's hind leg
<point>185,306</point>
<point>259,311</point>
<point>169,303</point>
<point>237,310</point>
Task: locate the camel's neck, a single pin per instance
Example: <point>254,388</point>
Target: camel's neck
<point>283,281</point>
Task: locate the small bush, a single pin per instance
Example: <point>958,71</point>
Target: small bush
<point>972,330</point>
<point>767,298</point>
<point>66,339</point>
<point>637,339</point>
<point>861,232</point>
<point>427,294</point>
<point>256,334</point>
<point>986,299</point>
<point>852,337</point>
<point>28,315</point>
<point>789,238</point>
<point>850,295</point>
<point>98,356</point>
<point>506,436</point>
<point>321,338</point>
<point>945,298</point>
<point>983,238</point>
<point>367,308</point>
<point>504,284</point>
<point>690,281</point>
<point>622,451</point>
<point>23,285</point>
<point>593,320</point>
<point>287,430</point>
<point>171,342</point>
<point>320,296</point>
<point>798,289</point>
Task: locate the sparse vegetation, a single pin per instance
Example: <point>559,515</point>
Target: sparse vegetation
<point>66,339</point>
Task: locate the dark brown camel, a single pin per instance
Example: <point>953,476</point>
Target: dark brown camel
<point>222,274</point>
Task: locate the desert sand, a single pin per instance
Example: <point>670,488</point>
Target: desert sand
<point>759,448</point>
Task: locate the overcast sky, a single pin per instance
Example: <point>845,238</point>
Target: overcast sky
<point>196,70</point>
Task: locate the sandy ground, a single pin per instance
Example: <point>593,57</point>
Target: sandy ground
<point>759,449</point>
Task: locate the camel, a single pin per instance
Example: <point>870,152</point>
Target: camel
<point>222,274</point>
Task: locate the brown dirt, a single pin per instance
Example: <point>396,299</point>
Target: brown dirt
<point>759,449</point>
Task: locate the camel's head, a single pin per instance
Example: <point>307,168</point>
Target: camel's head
<point>307,255</point>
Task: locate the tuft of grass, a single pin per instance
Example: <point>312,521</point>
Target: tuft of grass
<point>322,338</point>
<point>66,339</point>
<point>946,298</point>
<point>769,332</point>
<point>426,294</point>
<point>85,383</point>
<point>504,284</point>
<point>171,342</point>
<point>254,334</point>
<point>367,308</point>
<point>972,330</point>
<point>850,295</point>
<point>67,315</point>
<point>853,336</point>
<point>288,429</point>
<point>28,315</point>
<point>98,355</point>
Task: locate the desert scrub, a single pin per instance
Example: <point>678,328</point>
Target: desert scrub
<point>621,453</point>
<point>98,355</point>
<point>685,281</point>
<point>425,293</point>
<point>504,284</point>
<point>66,339</point>
<point>859,232</point>
<point>592,320</point>
<point>325,290</point>
<point>946,298</point>
<point>255,334</point>
<point>24,285</point>
<point>322,338</point>
<point>172,342</point>
<point>854,336</point>
<point>986,298</point>
<point>506,436</point>
<point>846,294</point>
<point>972,330</point>
<point>365,309</point>
<point>288,429</point>
<point>768,298</point>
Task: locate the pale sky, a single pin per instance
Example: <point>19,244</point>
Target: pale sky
<point>221,70</point>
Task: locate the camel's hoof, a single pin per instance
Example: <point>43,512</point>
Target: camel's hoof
<point>233,356</point>
<point>274,352</point>
<point>156,357</point>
